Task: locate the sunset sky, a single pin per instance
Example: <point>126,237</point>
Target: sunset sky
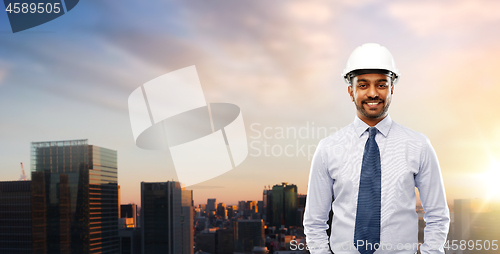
<point>279,61</point>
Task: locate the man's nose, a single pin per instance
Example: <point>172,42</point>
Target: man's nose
<point>372,92</point>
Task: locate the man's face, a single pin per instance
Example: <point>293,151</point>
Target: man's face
<point>371,93</point>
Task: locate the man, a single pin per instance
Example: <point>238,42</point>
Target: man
<point>371,168</point>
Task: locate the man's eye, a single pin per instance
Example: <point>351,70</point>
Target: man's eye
<point>361,85</point>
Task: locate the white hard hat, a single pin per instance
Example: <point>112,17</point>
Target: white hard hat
<point>370,56</point>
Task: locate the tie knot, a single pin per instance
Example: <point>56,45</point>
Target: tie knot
<point>372,131</point>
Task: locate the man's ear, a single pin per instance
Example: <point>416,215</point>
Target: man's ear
<point>349,90</point>
<point>392,88</point>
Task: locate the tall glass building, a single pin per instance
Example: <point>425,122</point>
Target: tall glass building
<point>18,222</point>
<point>81,196</point>
<point>166,218</point>
<point>284,205</point>
<point>248,234</point>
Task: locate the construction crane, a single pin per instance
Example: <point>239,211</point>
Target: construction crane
<point>23,176</point>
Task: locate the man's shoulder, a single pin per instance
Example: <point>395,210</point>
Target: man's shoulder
<point>401,131</point>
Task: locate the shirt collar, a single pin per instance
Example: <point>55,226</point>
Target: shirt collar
<point>383,126</point>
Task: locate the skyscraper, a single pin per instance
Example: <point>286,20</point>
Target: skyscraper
<point>81,195</point>
<point>242,207</point>
<point>301,206</point>
<point>129,214</point>
<point>284,205</point>
<point>166,218</point>
<point>211,204</point>
<point>267,197</point>
<point>221,210</point>
<point>248,234</point>
<point>19,225</point>
<point>231,211</point>
<point>225,241</point>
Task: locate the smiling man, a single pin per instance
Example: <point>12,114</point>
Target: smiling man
<point>370,169</point>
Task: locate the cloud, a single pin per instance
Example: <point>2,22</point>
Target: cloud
<point>3,73</point>
<point>310,12</point>
<point>456,17</point>
<point>280,54</point>
<point>281,57</point>
<point>4,69</point>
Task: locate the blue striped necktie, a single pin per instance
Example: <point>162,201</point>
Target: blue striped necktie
<point>367,227</point>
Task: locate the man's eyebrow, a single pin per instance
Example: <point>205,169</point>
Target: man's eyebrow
<point>377,81</point>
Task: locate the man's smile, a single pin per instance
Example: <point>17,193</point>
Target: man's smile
<point>372,104</point>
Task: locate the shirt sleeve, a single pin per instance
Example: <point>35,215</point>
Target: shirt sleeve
<point>433,197</point>
<point>318,204</point>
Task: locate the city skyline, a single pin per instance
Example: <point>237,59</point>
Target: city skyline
<point>484,201</point>
<point>279,61</point>
<point>168,206</point>
<point>487,198</point>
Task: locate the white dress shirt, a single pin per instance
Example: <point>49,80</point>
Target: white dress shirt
<point>407,161</point>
